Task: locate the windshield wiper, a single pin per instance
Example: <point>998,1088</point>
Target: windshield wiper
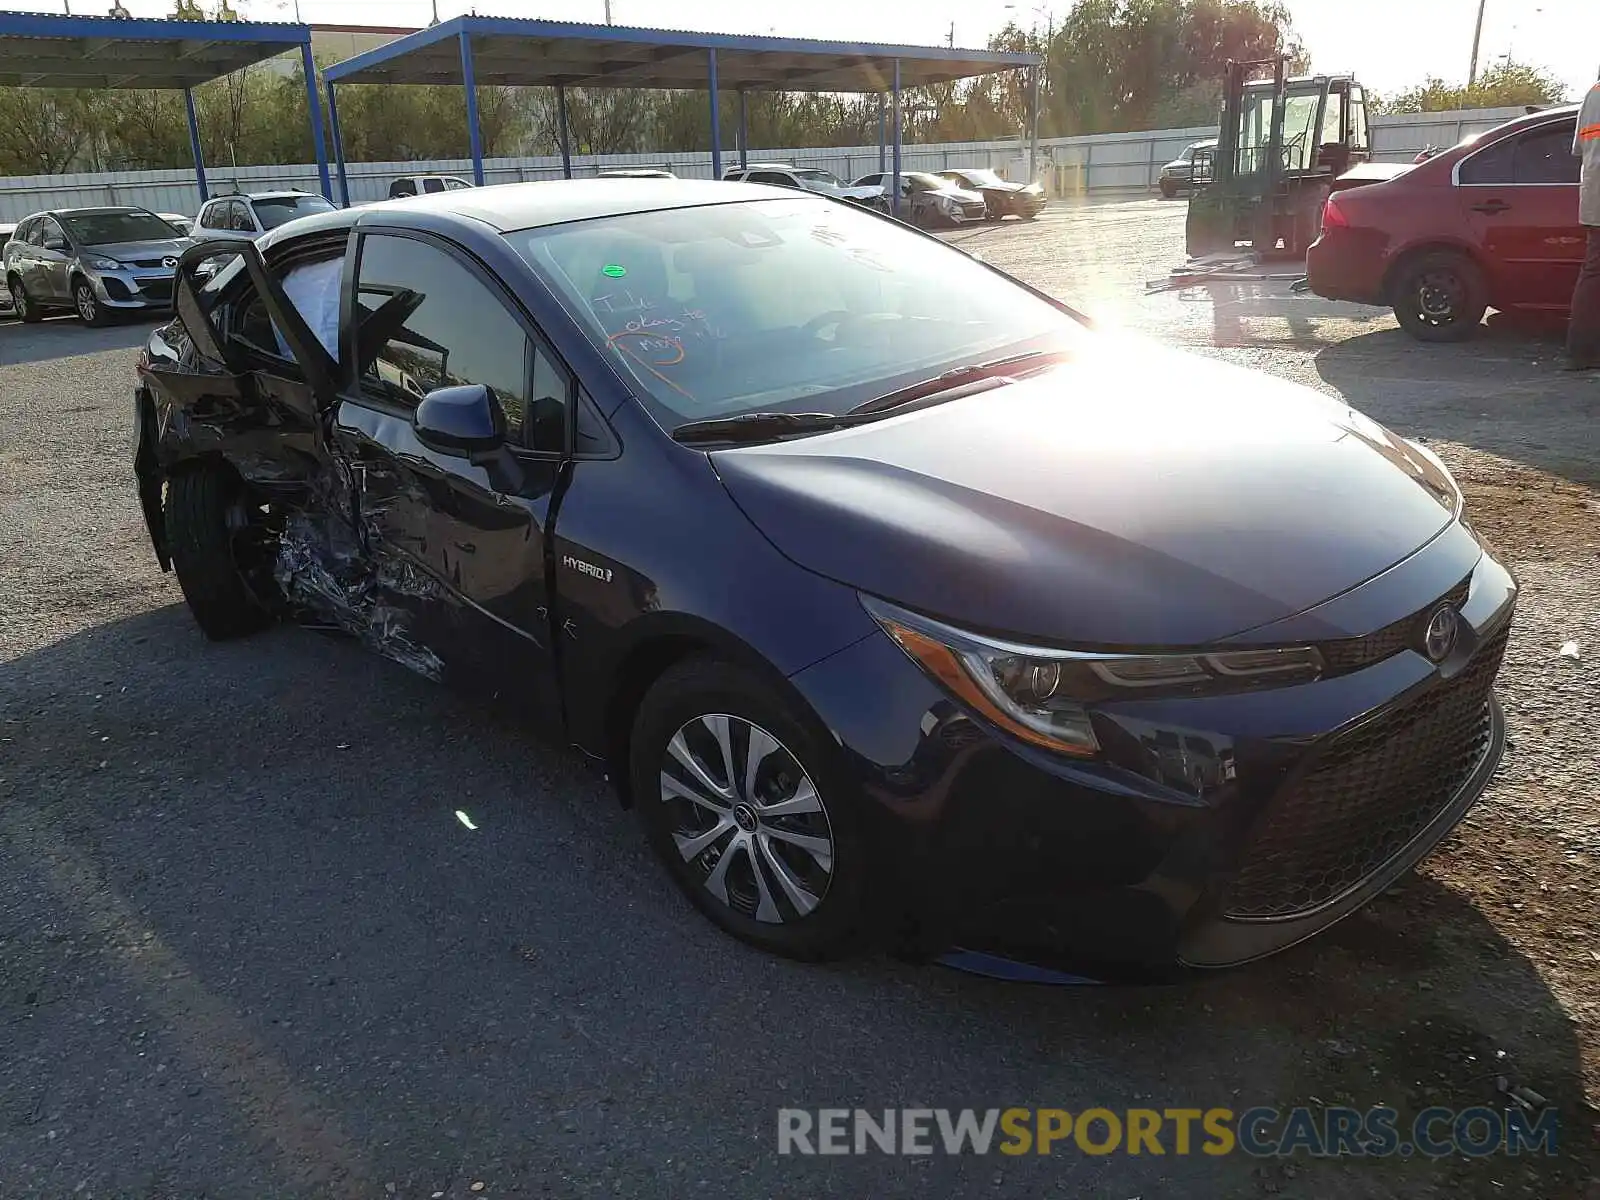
<point>758,426</point>
<point>950,379</point>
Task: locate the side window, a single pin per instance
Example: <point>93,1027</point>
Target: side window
<point>51,233</point>
<point>1491,165</point>
<point>1545,155</point>
<point>455,185</point>
<point>772,177</point>
<point>1359,134</point>
<point>433,185</point>
<point>27,232</point>
<point>203,221</point>
<point>425,321</point>
<point>240,213</point>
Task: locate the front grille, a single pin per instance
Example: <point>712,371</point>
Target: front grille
<point>973,210</point>
<point>147,262</point>
<point>1366,795</point>
<point>1351,654</point>
<point>156,289</point>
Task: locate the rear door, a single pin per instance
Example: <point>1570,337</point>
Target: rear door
<point>464,538</point>
<point>1520,196</point>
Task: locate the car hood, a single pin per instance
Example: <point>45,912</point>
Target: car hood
<point>1097,504</point>
<point>1004,185</point>
<point>156,248</point>
<point>960,194</point>
<point>851,192</point>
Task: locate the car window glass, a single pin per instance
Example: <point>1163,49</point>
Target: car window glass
<point>273,211</point>
<point>1358,119</point>
<point>795,303</point>
<point>50,231</point>
<point>1545,155</point>
<point>1333,119</point>
<point>31,233</point>
<point>546,427</point>
<point>1492,164</point>
<point>434,324</point>
<point>772,177</point>
<point>239,211</point>
<point>433,185</point>
<point>455,185</point>
<point>206,216</point>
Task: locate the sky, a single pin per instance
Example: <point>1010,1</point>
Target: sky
<point>1389,44</point>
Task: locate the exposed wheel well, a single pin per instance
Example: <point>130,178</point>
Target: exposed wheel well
<point>1391,278</point>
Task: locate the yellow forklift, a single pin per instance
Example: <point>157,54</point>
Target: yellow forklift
<point>1282,144</point>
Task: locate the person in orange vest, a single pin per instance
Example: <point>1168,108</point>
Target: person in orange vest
<point>1583,329</point>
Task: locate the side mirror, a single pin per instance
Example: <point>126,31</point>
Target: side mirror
<point>58,244</point>
<point>460,421</point>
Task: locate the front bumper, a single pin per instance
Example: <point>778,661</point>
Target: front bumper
<point>1211,831</point>
<point>133,288</point>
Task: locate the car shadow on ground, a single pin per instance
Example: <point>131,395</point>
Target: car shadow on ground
<point>1506,392</point>
<point>341,927</point>
<point>66,336</point>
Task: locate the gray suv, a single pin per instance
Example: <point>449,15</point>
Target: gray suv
<point>92,260</point>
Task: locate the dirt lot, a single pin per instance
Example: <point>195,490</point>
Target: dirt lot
<point>249,951</point>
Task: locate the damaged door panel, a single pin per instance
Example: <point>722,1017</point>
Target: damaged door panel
<point>456,526</point>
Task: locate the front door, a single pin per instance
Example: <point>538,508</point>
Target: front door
<point>54,254</point>
<point>1520,196</point>
<point>461,540</point>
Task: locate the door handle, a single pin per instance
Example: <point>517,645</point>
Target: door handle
<point>1492,208</point>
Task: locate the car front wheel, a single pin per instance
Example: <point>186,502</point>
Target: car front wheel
<point>90,310</point>
<point>1440,297</point>
<point>222,551</point>
<point>1169,188</point>
<point>744,805</point>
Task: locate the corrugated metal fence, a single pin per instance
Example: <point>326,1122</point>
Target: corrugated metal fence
<point>1110,162</point>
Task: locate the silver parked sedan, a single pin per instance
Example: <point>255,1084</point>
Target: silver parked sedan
<point>94,261</point>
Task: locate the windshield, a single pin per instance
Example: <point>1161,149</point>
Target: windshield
<point>925,180</point>
<point>799,305</point>
<point>820,175</point>
<point>273,211</point>
<point>106,228</point>
<point>978,178</point>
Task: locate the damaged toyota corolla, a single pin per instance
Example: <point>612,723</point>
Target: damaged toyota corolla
<point>896,600</point>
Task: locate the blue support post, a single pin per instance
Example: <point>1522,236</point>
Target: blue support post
<point>894,194</point>
<point>469,80</point>
<point>338,147</point>
<point>562,134</point>
<point>1033,124</point>
<point>194,144</point>
<point>314,108</point>
<point>744,130</point>
<point>883,135</point>
<point>716,123</point>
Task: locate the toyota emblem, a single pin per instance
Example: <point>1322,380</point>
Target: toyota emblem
<point>1440,638</point>
<point>169,261</point>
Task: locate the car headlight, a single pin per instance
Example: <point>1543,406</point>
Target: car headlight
<point>1033,189</point>
<point>1040,693</point>
<point>95,263</point>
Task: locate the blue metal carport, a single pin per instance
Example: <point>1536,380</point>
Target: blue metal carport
<point>40,50</point>
<point>523,53</point>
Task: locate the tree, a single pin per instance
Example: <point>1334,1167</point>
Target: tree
<point>42,130</point>
<point>1504,85</point>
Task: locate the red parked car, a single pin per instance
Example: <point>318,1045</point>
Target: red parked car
<point>1491,223</point>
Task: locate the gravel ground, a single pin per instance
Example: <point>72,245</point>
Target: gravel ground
<point>249,951</point>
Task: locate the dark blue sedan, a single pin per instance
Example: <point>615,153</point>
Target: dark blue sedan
<point>900,604</point>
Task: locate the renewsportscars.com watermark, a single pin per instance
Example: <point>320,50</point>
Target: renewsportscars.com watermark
<point>1259,1132</point>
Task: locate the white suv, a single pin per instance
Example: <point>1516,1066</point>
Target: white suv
<point>253,213</point>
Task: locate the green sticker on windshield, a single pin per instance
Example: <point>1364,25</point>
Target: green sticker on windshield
<point>613,270</point>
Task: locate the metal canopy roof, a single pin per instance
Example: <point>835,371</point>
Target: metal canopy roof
<point>520,52</point>
<point>40,50</point>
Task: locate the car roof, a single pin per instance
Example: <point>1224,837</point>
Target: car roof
<point>286,194</point>
<point>102,211</point>
<point>1530,120</point>
<point>511,206</point>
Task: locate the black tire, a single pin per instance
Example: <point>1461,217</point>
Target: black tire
<point>87,305</point>
<point>206,513</point>
<point>27,311</point>
<point>1440,297</point>
<point>1169,188</point>
<point>672,709</point>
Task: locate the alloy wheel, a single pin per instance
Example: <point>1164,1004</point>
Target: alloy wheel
<point>746,817</point>
<point>85,303</point>
<point>19,299</point>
